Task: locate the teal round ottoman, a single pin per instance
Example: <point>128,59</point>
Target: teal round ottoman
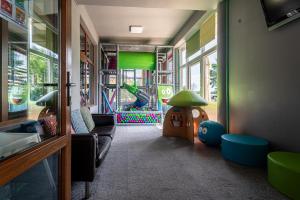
<point>284,173</point>
<point>244,149</point>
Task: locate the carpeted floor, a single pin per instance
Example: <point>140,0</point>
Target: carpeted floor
<point>142,164</point>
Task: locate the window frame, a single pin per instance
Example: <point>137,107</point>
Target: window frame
<point>190,62</point>
<point>61,143</point>
<point>89,64</point>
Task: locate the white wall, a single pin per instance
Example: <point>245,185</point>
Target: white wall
<point>79,15</point>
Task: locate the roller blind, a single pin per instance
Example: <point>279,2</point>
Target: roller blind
<point>193,45</point>
<point>137,60</point>
<point>208,30</point>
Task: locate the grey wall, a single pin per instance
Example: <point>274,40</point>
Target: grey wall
<point>75,56</point>
<point>222,61</point>
<point>264,76</point>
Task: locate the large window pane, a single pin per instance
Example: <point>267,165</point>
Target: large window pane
<point>87,67</point>
<point>182,56</point>
<point>30,53</point>
<point>139,77</point>
<point>39,182</point>
<point>183,78</point>
<point>195,80</point>
<point>210,84</point>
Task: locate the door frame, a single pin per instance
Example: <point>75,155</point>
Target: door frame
<point>62,143</point>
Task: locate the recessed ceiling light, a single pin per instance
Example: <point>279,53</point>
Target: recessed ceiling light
<point>136,29</point>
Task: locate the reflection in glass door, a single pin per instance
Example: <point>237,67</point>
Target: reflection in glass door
<point>30,102</point>
<point>17,76</point>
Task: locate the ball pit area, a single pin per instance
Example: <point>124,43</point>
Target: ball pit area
<point>138,117</point>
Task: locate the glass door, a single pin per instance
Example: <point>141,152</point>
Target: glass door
<point>33,140</point>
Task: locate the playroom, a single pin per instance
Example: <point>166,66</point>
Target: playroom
<point>183,104</point>
<point>149,99</point>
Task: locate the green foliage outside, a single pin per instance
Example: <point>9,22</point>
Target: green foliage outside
<point>37,71</point>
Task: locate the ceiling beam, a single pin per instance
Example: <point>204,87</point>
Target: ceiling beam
<point>171,4</point>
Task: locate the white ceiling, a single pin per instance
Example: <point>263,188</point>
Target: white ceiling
<point>161,19</point>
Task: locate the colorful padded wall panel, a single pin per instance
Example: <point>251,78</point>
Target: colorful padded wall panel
<point>139,117</point>
<point>137,60</point>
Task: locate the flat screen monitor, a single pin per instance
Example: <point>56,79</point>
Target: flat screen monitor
<point>280,12</point>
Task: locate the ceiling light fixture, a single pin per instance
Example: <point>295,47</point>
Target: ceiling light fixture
<point>136,29</point>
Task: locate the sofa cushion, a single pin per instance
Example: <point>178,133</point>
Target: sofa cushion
<point>77,122</point>
<point>31,127</point>
<point>104,143</point>
<point>105,131</point>
<point>87,118</point>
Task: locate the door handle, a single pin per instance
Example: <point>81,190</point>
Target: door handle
<point>69,85</point>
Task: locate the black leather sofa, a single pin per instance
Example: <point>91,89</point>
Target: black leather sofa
<point>89,150</point>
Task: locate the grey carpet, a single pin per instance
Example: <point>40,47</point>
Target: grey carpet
<point>142,164</point>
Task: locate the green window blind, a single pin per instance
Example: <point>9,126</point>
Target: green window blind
<point>137,60</point>
<point>193,45</point>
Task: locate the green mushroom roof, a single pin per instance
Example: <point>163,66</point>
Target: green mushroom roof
<point>186,98</point>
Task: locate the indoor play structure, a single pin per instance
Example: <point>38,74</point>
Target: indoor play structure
<point>183,119</point>
<point>136,82</point>
<point>142,98</point>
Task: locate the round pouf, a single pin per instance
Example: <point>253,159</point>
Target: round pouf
<point>210,132</point>
<point>244,149</point>
<point>284,172</point>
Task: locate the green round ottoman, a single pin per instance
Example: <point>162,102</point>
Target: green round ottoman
<point>284,173</point>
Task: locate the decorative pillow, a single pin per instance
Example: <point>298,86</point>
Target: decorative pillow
<point>49,125</point>
<point>72,130</point>
<point>78,123</point>
<point>87,118</point>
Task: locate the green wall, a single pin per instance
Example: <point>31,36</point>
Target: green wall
<point>137,60</point>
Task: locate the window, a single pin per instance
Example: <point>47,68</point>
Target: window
<point>195,78</point>
<point>129,77</point>
<point>183,78</point>
<point>87,69</point>
<point>139,77</point>
<point>198,72</point>
<point>210,68</point>
<point>29,108</point>
<point>182,56</point>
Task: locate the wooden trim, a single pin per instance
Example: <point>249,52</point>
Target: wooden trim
<point>12,122</point>
<point>66,57</point>
<point>4,70</point>
<point>15,166</point>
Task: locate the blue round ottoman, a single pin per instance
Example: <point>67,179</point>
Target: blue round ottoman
<point>244,149</point>
<point>210,132</point>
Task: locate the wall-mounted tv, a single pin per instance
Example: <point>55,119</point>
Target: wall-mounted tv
<point>280,12</point>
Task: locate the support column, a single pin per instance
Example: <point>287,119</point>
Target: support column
<point>223,93</point>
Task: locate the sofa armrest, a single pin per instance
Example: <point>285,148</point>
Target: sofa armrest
<point>104,119</point>
<point>84,157</point>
